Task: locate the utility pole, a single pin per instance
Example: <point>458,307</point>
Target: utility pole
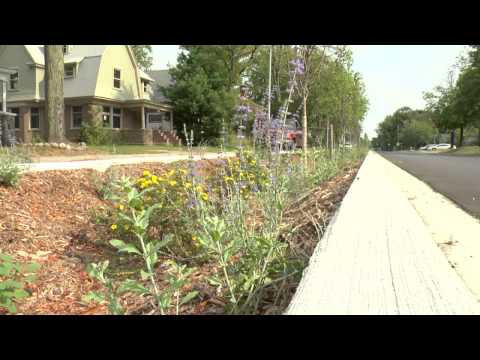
<point>270,84</point>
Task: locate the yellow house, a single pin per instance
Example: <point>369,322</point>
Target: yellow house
<point>102,84</point>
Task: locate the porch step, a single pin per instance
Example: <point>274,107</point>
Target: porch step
<point>166,137</point>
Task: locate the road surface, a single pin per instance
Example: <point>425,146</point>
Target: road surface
<point>456,177</point>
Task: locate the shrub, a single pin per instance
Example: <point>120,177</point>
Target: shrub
<point>12,165</point>
<point>13,277</point>
<point>96,134</point>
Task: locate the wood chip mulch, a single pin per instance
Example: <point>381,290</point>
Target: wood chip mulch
<point>50,217</point>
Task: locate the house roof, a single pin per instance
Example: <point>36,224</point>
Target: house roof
<point>144,75</point>
<point>162,78</point>
<point>76,52</point>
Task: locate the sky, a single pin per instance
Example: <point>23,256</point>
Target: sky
<point>394,75</point>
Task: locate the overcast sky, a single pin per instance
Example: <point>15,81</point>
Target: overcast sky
<point>394,75</point>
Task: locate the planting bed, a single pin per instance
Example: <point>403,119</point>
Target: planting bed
<point>51,218</point>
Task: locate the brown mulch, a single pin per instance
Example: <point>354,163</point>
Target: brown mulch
<point>307,218</point>
<point>50,217</point>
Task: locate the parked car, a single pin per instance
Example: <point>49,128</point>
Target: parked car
<point>427,147</point>
<point>442,147</point>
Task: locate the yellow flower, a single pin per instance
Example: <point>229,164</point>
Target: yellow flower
<point>199,188</point>
<point>183,171</point>
<point>114,227</point>
<point>171,173</point>
<point>253,162</point>
<point>121,207</point>
<point>173,183</point>
<point>146,173</point>
<point>204,196</point>
<point>188,185</point>
<point>154,179</point>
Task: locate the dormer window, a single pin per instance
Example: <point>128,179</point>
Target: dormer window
<point>116,78</point>
<point>145,86</point>
<point>65,49</point>
<point>69,70</point>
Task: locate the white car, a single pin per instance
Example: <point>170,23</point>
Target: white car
<point>427,147</point>
<point>442,147</point>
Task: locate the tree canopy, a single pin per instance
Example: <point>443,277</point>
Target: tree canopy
<point>207,79</point>
<point>143,56</point>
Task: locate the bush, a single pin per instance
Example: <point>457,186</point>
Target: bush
<point>12,164</point>
<point>96,134</point>
<point>13,277</point>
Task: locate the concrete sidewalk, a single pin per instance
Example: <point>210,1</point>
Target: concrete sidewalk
<point>104,164</point>
<point>377,257</point>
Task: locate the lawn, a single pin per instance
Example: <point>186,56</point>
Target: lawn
<point>93,150</point>
<point>466,150</point>
<point>149,149</point>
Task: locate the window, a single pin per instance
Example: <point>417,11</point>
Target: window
<point>145,86</point>
<point>117,118</point>
<point>77,117</point>
<point>14,81</point>
<point>116,78</point>
<point>17,117</point>
<point>65,49</point>
<point>106,116</point>
<point>69,70</point>
<point>34,118</point>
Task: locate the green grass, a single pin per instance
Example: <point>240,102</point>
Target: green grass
<point>466,150</point>
<point>147,149</point>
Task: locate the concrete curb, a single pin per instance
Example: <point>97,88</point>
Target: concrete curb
<point>377,257</point>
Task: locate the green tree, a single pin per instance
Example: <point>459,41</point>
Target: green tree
<point>200,94</point>
<point>143,56</point>
<point>417,132</point>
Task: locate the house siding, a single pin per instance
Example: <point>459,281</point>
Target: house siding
<point>117,57</point>
<point>17,57</point>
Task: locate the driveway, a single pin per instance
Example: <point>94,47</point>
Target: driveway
<point>456,177</point>
<point>104,164</point>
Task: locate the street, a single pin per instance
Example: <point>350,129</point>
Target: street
<point>456,177</point>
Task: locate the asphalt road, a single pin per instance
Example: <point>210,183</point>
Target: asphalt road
<point>456,177</point>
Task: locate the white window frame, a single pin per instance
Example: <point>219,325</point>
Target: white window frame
<point>72,124</point>
<point>119,78</point>
<point>17,82</point>
<point>121,117</point>
<point>145,86</point>
<point>73,73</point>
<point>38,114</point>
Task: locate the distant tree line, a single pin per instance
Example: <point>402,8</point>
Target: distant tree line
<point>452,108</point>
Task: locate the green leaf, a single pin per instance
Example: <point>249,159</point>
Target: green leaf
<point>20,294</point>
<point>144,275</point>
<point>5,269</point>
<point>133,286</point>
<point>32,267</point>
<point>189,297</point>
<point>122,247</point>
<point>6,258</point>
<point>94,296</point>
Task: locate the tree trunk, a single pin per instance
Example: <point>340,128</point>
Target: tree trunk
<point>461,137</point>
<point>479,136</point>
<point>452,139</point>
<point>54,104</point>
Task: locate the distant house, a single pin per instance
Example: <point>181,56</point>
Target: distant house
<point>102,84</point>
